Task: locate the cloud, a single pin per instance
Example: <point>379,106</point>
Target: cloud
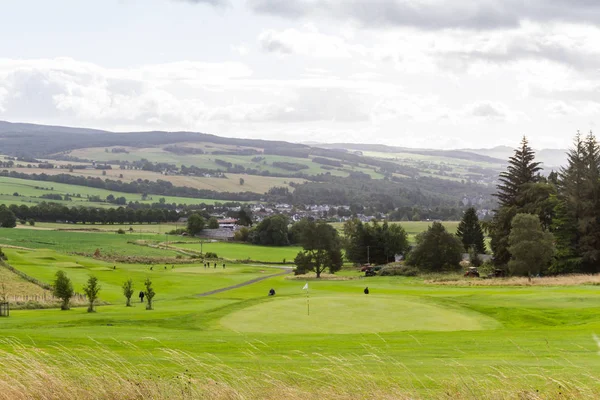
<point>486,110</point>
<point>216,3</point>
<point>435,14</point>
<point>571,45</point>
<point>308,42</point>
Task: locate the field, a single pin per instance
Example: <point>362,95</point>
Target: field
<point>252,183</point>
<point>158,154</point>
<point>409,338</point>
<point>29,191</point>
<point>412,228</point>
<point>239,251</point>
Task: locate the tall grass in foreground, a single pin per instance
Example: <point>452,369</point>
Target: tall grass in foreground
<point>96,372</point>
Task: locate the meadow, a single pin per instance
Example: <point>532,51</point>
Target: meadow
<point>409,338</point>
<point>241,251</point>
<point>29,191</point>
<point>252,183</point>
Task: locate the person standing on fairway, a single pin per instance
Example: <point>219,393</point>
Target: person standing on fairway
<point>141,297</point>
<point>366,290</point>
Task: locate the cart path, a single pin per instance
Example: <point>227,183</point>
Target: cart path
<point>239,285</point>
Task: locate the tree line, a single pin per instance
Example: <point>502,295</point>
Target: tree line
<point>549,225</point>
<point>52,212</point>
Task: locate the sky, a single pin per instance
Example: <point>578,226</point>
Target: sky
<point>416,73</point>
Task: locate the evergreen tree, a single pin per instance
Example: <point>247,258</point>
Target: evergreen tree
<point>514,193</point>
<point>571,185</point>
<point>589,220</point>
<point>470,233</point>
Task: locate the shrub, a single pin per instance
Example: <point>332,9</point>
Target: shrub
<point>149,292</point>
<point>211,255</point>
<point>91,290</point>
<point>121,231</point>
<point>63,289</point>
<point>399,270</point>
<point>178,231</point>
<point>128,291</point>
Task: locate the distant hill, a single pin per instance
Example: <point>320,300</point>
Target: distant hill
<point>551,158</point>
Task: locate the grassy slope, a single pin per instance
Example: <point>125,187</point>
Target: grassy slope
<point>420,337</point>
<point>252,183</point>
<point>29,189</point>
<point>538,331</point>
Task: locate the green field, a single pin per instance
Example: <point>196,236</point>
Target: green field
<point>406,339</point>
<point>157,154</point>
<point>240,251</point>
<point>84,242</point>
<point>412,228</point>
<point>30,191</point>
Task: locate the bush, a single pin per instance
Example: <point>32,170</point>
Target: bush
<point>178,231</point>
<point>121,231</point>
<point>211,255</point>
<point>399,270</point>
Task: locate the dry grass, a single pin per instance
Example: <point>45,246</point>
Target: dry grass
<point>17,286</point>
<point>564,280</point>
<point>311,276</point>
<point>98,373</point>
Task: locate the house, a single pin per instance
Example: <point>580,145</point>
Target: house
<point>228,223</point>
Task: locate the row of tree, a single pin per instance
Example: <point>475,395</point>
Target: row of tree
<point>563,213</point>
<point>62,288</point>
<point>52,212</point>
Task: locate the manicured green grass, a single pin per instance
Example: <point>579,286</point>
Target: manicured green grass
<point>83,242</point>
<point>405,334</point>
<point>240,251</point>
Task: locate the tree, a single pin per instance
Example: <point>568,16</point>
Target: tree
<point>531,248</point>
<point>521,171</point>
<point>149,293</point>
<point>436,250</point>
<point>128,291</point>
<point>244,217</point>
<point>7,218</point>
<point>213,223</point>
<point>470,232</point>
<point>91,290</point>
<point>63,289</point>
<point>575,227</point>
<point>195,224</point>
<point>322,249</point>
<point>374,243</point>
<point>271,231</point>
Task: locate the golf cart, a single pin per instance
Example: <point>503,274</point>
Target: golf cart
<point>472,272</point>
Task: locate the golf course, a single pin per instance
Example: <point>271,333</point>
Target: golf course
<point>215,332</point>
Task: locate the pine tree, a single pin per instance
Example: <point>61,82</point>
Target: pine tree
<point>512,197</point>
<point>589,222</point>
<point>571,185</point>
<point>470,233</point>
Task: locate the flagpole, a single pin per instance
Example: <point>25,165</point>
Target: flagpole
<point>307,298</point>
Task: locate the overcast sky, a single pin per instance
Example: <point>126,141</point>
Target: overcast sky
<point>417,73</point>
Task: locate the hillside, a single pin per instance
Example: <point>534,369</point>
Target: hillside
<point>372,175</point>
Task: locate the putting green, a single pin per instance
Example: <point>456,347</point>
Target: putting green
<point>353,314</point>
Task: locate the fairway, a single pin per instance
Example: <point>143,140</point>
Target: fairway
<point>242,251</point>
<point>352,314</point>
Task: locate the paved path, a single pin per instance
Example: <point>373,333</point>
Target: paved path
<point>239,285</point>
